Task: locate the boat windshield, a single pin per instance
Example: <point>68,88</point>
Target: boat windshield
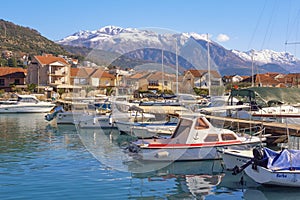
<point>27,100</point>
<point>183,128</point>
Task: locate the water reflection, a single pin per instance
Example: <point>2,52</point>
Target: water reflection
<point>191,179</point>
<point>38,158</point>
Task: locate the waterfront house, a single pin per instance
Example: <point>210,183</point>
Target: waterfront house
<point>232,79</point>
<point>160,81</point>
<point>102,79</point>
<point>48,70</point>
<point>12,76</point>
<point>200,78</point>
<point>137,81</point>
<point>292,80</point>
<point>80,76</point>
<point>91,77</point>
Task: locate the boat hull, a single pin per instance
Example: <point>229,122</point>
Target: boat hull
<point>179,154</point>
<point>281,177</point>
<point>102,122</point>
<point>70,117</point>
<point>232,157</point>
<point>35,108</point>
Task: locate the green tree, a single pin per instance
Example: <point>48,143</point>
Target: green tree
<point>31,87</point>
<point>60,91</point>
<point>3,62</point>
<point>12,62</point>
<point>200,91</point>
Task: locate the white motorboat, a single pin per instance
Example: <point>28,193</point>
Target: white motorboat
<point>235,157</point>
<point>286,111</point>
<point>25,104</point>
<point>98,121</point>
<point>74,117</point>
<point>273,168</point>
<point>193,139</point>
<point>153,130</point>
<point>146,129</point>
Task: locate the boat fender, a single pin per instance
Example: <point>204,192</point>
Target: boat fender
<point>162,154</point>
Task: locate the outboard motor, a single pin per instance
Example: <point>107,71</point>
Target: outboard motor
<point>133,148</point>
<point>53,113</point>
<point>259,158</point>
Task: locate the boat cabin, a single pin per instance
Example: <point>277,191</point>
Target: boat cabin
<point>199,129</point>
<point>27,99</point>
<point>196,131</point>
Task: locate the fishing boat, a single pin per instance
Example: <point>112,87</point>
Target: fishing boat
<point>273,168</point>
<point>194,138</point>
<point>25,104</point>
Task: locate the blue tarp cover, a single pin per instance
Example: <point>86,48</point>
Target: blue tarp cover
<point>285,160</point>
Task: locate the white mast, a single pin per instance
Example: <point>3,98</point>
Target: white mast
<point>208,67</point>
<point>252,81</point>
<point>176,69</point>
<point>162,70</point>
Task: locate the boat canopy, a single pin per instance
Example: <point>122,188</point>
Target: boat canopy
<point>264,94</point>
<point>285,160</point>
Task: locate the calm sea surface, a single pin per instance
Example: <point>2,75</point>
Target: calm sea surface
<point>39,160</point>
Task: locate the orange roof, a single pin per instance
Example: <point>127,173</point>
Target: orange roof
<point>158,76</point>
<point>99,73</point>
<point>74,71</point>
<point>199,73</point>
<point>48,59</point>
<point>10,70</point>
<point>196,73</point>
<point>138,75</point>
<point>81,72</point>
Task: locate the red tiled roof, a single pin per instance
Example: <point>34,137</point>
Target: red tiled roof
<point>138,75</point>
<point>199,73</point>
<point>158,76</point>
<point>101,73</point>
<point>48,59</point>
<point>81,72</point>
<point>10,70</point>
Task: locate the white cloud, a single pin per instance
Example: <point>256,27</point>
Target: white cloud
<point>223,38</point>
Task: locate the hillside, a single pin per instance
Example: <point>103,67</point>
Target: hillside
<point>26,40</point>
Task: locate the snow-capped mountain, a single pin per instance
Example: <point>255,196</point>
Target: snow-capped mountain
<point>123,40</point>
<point>268,56</point>
<point>190,46</point>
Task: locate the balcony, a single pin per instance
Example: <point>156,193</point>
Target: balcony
<point>58,73</point>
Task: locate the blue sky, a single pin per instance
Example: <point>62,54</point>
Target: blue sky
<point>244,24</point>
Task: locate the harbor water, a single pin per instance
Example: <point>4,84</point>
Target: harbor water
<point>40,160</point>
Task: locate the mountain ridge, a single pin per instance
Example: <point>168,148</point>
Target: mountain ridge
<point>124,40</point>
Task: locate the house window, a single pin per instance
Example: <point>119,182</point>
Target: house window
<point>153,83</point>
<point>165,83</point>
<point>17,81</point>
<point>2,82</point>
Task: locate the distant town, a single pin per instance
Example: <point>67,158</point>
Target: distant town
<point>62,76</point>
